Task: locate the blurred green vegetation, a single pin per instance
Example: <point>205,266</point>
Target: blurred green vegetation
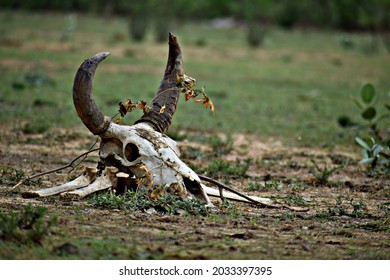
<point>294,86</point>
<point>343,14</point>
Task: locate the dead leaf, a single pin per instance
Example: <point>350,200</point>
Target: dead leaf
<point>186,82</point>
<point>144,106</point>
<point>129,106</point>
<point>147,179</point>
<point>206,101</point>
<point>156,194</point>
<point>189,95</point>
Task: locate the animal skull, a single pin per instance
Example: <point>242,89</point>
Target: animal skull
<point>137,156</point>
<point>147,159</point>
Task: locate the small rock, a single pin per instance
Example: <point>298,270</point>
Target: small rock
<point>305,245</point>
<point>151,211</point>
<point>66,249</point>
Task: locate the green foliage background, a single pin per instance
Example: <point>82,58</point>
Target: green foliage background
<point>341,14</point>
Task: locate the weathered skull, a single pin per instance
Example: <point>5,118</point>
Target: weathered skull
<point>143,155</point>
<point>146,158</point>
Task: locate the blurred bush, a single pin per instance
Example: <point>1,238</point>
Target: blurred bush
<point>345,15</point>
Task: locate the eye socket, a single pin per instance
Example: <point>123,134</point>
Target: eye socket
<point>131,152</point>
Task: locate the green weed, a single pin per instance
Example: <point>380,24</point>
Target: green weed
<point>220,168</point>
<point>29,226</point>
<point>39,125</point>
<point>322,174</point>
<point>295,200</point>
<point>344,209</point>
<point>192,153</point>
<point>375,143</point>
<point>385,207</point>
<point>141,201</point>
<point>268,185</point>
<point>10,176</point>
<point>232,210</point>
<point>220,146</point>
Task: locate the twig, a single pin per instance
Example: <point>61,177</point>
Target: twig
<point>70,164</point>
<point>223,186</point>
<point>85,155</point>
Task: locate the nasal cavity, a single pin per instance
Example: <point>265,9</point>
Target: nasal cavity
<point>131,152</point>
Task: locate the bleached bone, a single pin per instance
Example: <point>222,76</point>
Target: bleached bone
<point>122,175</point>
<point>233,196</point>
<point>83,180</point>
<point>104,181</point>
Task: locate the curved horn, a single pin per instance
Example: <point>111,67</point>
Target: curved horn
<point>83,101</point>
<point>165,101</point>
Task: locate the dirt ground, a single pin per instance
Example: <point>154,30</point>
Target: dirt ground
<point>346,217</point>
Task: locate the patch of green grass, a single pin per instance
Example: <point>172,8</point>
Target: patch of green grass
<point>373,226</point>
<point>78,249</point>
<point>226,212</point>
<point>322,174</point>
<point>39,125</point>
<point>385,207</point>
<point>192,153</point>
<point>274,99</point>
<point>268,185</point>
<point>344,207</point>
<point>10,176</point>
<point>220,168</point>
<point>141,201</point>
<point>295,200</point>
<point>220,146</point>
<point>29,226</point>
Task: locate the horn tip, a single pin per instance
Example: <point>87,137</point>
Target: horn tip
<point>172,38</point>
<point>100,56</point>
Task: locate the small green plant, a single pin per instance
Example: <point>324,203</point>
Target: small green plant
<point>220,146</point>
<point>295,200</point>
<point>385,207</point>
<point>9,176</point>
<point>346,41</point>
<point>38,76</point>
<point>142,201</point>
<point>69,27</point>
<point>358,208</point>
<point>322,174</point>
<point>373,153</point>
<point>256,35</point>
<point>192,153</point>
<point>272,184</point>
<point>342,209</point>
<point>220,167</point>
<point>375,143</point>
<point>38,125</point>
<point>232,210</point>
<point>29,226</point>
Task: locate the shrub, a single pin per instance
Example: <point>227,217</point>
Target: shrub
<point>373,136</point>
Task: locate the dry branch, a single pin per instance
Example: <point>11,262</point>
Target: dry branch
<point>69,165</point>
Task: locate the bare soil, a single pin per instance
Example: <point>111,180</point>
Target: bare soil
<point>347,216</point>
